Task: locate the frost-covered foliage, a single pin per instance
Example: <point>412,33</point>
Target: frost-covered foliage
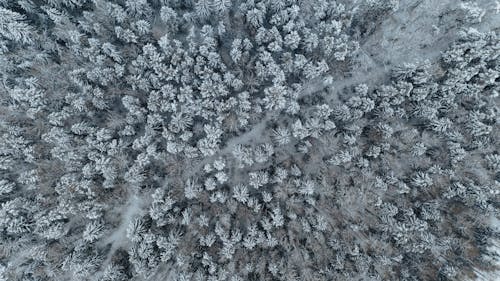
<point>232,140</point>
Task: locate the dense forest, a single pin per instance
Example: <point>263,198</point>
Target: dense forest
<point>213,140</point>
